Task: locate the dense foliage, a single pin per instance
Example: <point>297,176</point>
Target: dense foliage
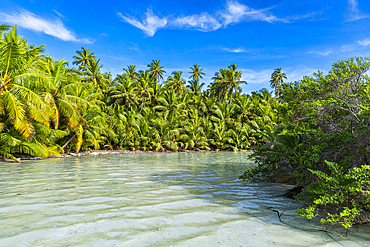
<point>316,130</point>
<point>47,107</point>
<point>324,142</point>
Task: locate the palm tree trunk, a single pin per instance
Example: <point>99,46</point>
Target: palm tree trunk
<point>142,104</point>
<point>70,139</point>
<point>231,97</point>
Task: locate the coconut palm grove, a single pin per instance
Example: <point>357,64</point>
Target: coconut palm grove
<point>314,131</point>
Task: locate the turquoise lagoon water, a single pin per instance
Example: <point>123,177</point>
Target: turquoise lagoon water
<point>151,199</point>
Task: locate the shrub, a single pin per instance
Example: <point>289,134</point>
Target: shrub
<point>338,197</point>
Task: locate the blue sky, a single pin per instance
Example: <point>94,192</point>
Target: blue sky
<point>300,37</point>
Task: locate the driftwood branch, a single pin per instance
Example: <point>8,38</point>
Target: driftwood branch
<point>278,213</point>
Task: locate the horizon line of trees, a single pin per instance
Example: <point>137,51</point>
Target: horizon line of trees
<point>48,107</point>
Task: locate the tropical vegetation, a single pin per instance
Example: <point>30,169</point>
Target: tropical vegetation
<point>315,130</point>
<point>323,142</point>
<point>48,107</point>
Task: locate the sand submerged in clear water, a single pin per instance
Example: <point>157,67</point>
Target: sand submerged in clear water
<point>151,199</point>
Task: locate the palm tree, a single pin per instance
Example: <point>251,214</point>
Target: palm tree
<point>145,91</point>
<point>166,133</point>
<point>277,78</point>
<point>220,136</point>
<point>4,27</point>
<point>195,87</point>
<point>155,70</point>
<point>176,82</point>
<point>131,72</point>
<point>216,88</point>
<point>116,117</point>
<point>144,132</point>
<point>157,93</point>
<point>94,76</point>
<point>84,58</point>
<point>170,103</point>
<point>222,113</point>
<point>9,144</point>
<point>199,102</point>
<point>95,128</point>
<point>18,102</point>
<point>196,73</point>
<point>243,108</point>
<point>239,138</point>
<point>193,135</point>
<point>233,80</point>
<point>131,122</point>
<point>23,113</point>
<point>124,92</point>
<point>60,92</point>
<point>226,82</point>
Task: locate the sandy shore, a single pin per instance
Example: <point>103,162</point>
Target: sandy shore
<point>97,152</point>
<point>94,152</point>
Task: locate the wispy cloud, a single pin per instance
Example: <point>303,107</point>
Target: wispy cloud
<point>203,22</point>
<point>322,53</point>
<point>235,50</point>
<point>233,12</point>
<point>355,46</point>
<point>348,48</point>
<point>36,23</point>
<point>256,77</point>
<point>297,73</point>
<point>353,6</point>
<point>56,12</point>
<point>301,17</point>
<point>135,47</point>
<point>236,12</point>
<point>354,11</point>
<point>149,25</point>
<point>364,42</point>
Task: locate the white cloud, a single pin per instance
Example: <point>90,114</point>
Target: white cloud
<point>301,17</point>
<point>296,74</point>
<point>354,11</point>
<point>364,42</point>
<point>36,23</point>
<point>150,25</point>
<point>236,12</point>
<point>203,22</point>
<point>353,6</point>
<point>347,48</point>
<point>233,12</point>
<point>135,48</point>
<point>56,12</point>
<point>322,53</point>
<point>234,50</point>
<point>256,77</point>
<point>355,46</point>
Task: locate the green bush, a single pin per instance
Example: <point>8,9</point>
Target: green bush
<point>324,142</point>
<point>338,197</point>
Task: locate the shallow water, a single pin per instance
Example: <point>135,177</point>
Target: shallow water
<point>151,199</point>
